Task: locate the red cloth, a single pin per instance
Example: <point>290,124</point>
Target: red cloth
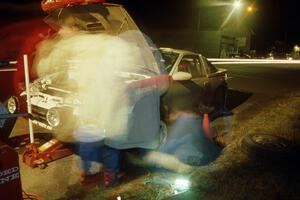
<point>16,40</point>
<point>21,38</point>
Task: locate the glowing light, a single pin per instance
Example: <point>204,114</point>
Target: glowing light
<point>237,4</point>
<point>119,198</point>
<point>249,9</point>
<point>182,184</point>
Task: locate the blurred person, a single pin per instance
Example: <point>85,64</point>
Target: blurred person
<point>185,146</point>
<point>118,75</point>
<point>143,125</point>
<point>135,122</point>
<point>89,139</point>
<point>188,142</point>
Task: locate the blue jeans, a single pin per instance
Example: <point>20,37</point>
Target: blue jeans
<point>111,158</point>
<point>98,152</point>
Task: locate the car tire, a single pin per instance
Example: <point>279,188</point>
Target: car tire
<point>9,124</point>
<point>267,147</point>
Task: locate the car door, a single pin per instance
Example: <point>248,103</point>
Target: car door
<point>186,95</point>
<point>199,85</point>
<point>216,77</point>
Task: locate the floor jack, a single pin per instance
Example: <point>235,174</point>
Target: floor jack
<point>52,150</point>
<point>37,155</point>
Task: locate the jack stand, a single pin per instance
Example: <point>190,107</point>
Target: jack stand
<point>50,151</point>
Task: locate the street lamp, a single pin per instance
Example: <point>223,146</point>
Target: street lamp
<point>249,9</point>
<point>237,4</point>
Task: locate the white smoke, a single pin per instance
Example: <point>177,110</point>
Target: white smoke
<point>102,66</point>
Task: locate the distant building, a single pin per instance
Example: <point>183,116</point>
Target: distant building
<point>210,30</point>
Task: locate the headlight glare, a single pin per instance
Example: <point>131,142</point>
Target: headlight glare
<point>12,105</point>
<point>53,117</point>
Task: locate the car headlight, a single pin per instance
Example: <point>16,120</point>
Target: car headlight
<point>53,117</point>
<point>12,105</point>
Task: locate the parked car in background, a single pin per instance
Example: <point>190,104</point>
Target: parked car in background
<point>240,55</point>
<point>197,82</point>
<point>279,56</point>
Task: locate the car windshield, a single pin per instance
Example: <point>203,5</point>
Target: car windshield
<point>170,58</point>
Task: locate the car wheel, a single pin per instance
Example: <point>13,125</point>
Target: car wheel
<point>267,147</point>
<point>12,106</point>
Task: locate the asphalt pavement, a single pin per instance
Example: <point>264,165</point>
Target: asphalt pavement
<point>265,79</point>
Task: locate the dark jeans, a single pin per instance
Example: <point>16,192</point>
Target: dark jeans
<point>98,152</point>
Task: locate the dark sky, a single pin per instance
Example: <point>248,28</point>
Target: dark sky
<point>274,20</point>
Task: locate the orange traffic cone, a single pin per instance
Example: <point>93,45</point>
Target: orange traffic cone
<point>206,126</point>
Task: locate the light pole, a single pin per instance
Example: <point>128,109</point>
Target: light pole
<point>236,6</point>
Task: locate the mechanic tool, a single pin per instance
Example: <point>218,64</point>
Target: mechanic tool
<point>39,156</point>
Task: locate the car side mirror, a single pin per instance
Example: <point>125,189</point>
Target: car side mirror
<point>181,76</point>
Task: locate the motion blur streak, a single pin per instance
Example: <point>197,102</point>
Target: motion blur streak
<point>219,61</point>
<point>101,67</point>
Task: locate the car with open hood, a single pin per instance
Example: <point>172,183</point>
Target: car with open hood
<point>96,59</point>
<point>97,55</point>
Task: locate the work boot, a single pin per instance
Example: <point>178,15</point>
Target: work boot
<point>89,181</point>
<point>110,179</point>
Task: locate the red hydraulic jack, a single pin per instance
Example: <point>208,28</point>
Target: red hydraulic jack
<point>52,150</point>
<point>39,156</point>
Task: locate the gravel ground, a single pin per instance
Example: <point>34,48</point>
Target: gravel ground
<point>235,176</point>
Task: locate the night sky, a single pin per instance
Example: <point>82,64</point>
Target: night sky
<point>275,22</point>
